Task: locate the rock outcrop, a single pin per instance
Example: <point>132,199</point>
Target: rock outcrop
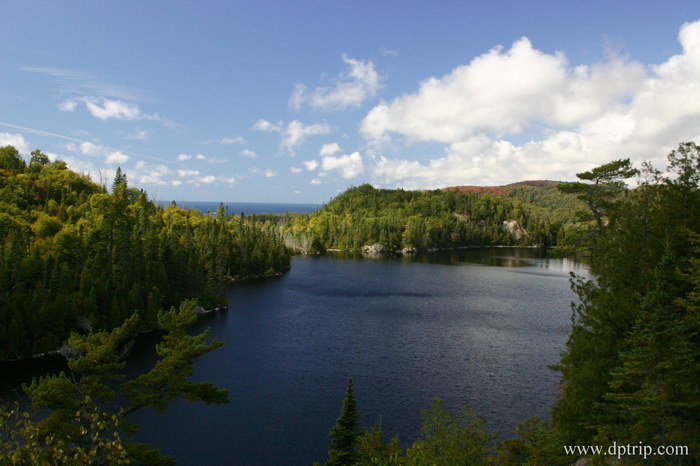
<point>516,231</point>
<point>375,249</point>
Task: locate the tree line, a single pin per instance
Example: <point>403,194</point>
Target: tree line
<point>425,220</point>
<point>76,256</point>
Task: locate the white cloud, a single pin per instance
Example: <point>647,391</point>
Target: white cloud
<point>89,148</point>
<point>104,109</point>
<point>139,134</point>
<point>315,181</point>
<point>249,153</point>
<point>295,170</point>
<point>183,157</point>
<point>296,132</point>
<point>145,173</point>
<point>207,179</point>
<point>576,117</point>
<point>67,105</point>
<point>360,82</point>
<point>233,140</point>
<point>329,149</point>
<point>187,173</point>
<point>116,157</point>
<point>311,165</point>
<point>349,165</point>
<point>267,173</point>
<point>264,125</point>
<point>504,92</point>
<point>16,140</point>
<point>176,182</point>
<point>200,157</point>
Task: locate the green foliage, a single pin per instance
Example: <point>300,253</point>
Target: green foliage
<point>373,451</point>
<point>344,435</point>
<point>86,421</point>
<point>11,160</point>
<point>536,443</point>
<point>631,370</point>
<point>447,438</point>
<point>606,182</point>
<point>73,256</point>
<point>450,438</point>
<point>39,158</point>
<point>426,219</point>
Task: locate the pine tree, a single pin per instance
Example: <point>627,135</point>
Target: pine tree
<point>345,432</point>
<point>119,180</point>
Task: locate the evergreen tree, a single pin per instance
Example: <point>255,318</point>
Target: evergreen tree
<point>82,418</point>
<point>345,433</point>
<point>119,180</point>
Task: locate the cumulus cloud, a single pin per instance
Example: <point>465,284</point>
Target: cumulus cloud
<point>116,157</point>
<point>183,157</point>
<point>145,173</point>
<point>296,133</point>
<point>295,170</point>
<point>348,90</point>
<point>329,149</point>
<point>311,165</point>
<point>349,165</point>
<point>89,148</point>
<point>200,157</point>
<point>577,116</point>
<point>105,109</point>
<point>67,105</point>
<point>207,179</point>
<point>293,134</point>
<point>315,181</point>
<point>249,153</point>
<point>264,125</point>
<point>16,140</point>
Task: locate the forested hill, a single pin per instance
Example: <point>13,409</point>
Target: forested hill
<point>540,195</point>
<point>75,256</point>
<point>449,218</point>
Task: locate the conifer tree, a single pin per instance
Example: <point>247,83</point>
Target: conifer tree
<point>345,432</point>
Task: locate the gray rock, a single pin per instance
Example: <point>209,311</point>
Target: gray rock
<point>374,249</point>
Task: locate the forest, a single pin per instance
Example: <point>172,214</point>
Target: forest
<point>77,257</point>
<point>439,219</point>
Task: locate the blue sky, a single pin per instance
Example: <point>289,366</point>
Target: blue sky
<point>297,101</point>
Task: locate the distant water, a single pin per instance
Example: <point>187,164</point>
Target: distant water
<point>247,208</point>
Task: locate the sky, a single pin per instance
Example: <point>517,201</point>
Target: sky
<point>281,101</point>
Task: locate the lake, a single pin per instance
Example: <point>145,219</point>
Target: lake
<point>474,327</point>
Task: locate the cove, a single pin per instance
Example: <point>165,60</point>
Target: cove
<point>474,327</point>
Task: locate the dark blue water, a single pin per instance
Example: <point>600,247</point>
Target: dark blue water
<point>247,208</point>
<point>475,328</point>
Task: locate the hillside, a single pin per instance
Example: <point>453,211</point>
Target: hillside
<point>75,256</point>
<point>527,213</point>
